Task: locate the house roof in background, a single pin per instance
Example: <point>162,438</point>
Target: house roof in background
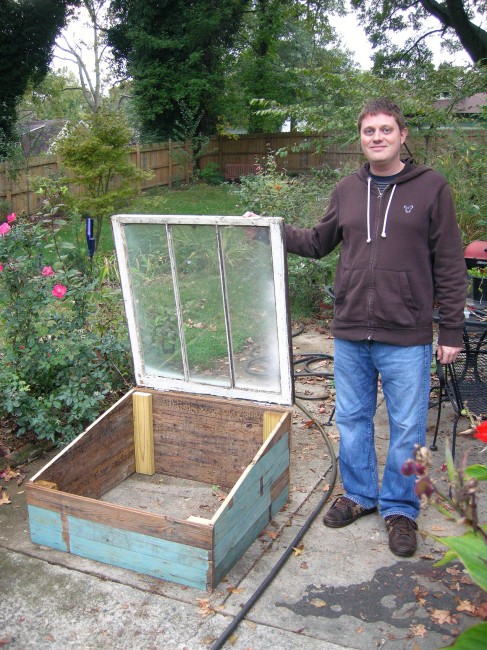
<point>470,106</point>
<point>38,136</point>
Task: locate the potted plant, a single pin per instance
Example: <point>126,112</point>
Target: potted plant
<point>479,283</point>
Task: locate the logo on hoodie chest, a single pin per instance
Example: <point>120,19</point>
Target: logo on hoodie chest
<point>408,209</point>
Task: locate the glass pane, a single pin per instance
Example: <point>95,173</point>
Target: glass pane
<point>251,300</point>
<point>154,302</point>
<point>201,298</point>
<point>187,327</point>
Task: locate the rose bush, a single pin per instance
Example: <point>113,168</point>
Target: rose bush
<point>64,353</point>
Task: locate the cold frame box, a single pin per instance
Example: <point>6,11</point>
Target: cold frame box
<point>210,415</point>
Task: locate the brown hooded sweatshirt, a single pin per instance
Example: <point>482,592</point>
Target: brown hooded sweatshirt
<point>401,253</point>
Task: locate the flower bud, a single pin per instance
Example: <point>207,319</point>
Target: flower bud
<point>424,487</point>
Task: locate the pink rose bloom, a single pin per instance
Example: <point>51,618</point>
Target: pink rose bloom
<point>11,217</point>
<point>1,268</point>
<point>59,291</point>
<point>4,229</point>
<point>47,271</point>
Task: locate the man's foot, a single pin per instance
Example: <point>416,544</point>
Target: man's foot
<point>402,535</point>
<point>344,511</point>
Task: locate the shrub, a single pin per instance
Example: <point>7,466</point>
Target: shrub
<point>301,201</point>
<point>211,174</point>
<point>62,361</point>
<point>462,162</point>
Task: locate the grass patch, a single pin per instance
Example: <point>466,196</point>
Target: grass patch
<point>191,199</point>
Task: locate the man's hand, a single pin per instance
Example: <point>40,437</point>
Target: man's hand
<point>446,354</point>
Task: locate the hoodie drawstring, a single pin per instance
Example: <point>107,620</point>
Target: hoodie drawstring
<point>368,210</point>
<point>383,233</point>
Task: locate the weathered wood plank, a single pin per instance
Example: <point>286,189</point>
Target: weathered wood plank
<point>253,499</point>
<point>46,528</point>
<point>139,553</point>
<point>205,438</point>
<point>143,433</point>
<point>258,480</point>
<point>184,532</point>
<point>225,562</point>
<point>275,460</point>
<point>98,459</point>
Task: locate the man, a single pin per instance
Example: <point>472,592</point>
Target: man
<point>401,252</point>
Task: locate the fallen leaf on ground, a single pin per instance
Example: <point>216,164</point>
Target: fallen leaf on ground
<point>205,609</point>
<point>442,616</point>
<point>8,474</point>
<point>317,602</point>
<point>272,534</point>
<point>453,571</point>
<point>4,500</point>
<point>466,606</point>
<point>208,640</point>
<point>418,630</point>
<point>481,611</point>
<point>298,549</point>
<point>420,595</point>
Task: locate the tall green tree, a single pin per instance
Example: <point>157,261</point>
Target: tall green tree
<point>58,96</point>
<point>174,50</point>
<point>459,23</point>
<point>282,39</point>
<point>28,30</point>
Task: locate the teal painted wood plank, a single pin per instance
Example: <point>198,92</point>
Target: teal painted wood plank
<point>268,469</point>
<point>267,466</point>
<point>249,497</point>
<point>225,561</point>
<point>231,526</point>
<point>46,528</point>
<point>146,544</point>
<point>134,560</point>
<point>279,501</point>
<point>230,523</point>
<point>263,509</point>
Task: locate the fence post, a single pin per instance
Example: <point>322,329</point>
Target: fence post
<point>8,184</point>
<point>170,163</point>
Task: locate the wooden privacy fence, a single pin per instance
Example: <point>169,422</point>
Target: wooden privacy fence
<point>171,163</point>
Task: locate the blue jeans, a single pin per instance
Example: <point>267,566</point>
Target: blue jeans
<point>405,376</point>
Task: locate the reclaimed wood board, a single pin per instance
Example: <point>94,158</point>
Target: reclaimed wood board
<point>172,561</point>
<point>181,531</point>
<point>99,458</point>
<point>205,438</point>
<point>250,497</point>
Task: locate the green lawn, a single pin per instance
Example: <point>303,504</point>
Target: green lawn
<point>192,199</point>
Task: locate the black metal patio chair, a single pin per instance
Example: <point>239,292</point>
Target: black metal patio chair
<point>464,382</point>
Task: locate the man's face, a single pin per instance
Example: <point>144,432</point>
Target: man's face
<point>381,142</point>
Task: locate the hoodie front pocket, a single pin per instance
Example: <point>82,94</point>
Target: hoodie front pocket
<point>393,303</point>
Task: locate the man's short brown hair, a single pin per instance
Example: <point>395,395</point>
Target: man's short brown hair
<point>383,105</point>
